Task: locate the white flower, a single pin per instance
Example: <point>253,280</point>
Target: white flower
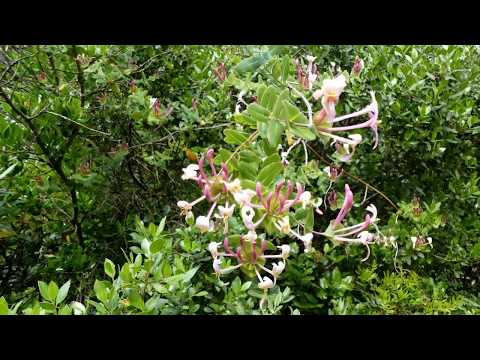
<point>331,88</point>
<point>247,216</point>
<point>152,101</point>
<point>278,268</point>
<point>203,223</point>
<point>283,225</point>
<point>226,211</point>
<point>190,172</point>
<point>251,236</point>
<point>244,196</point>
<point>267,283</point>
<point>305,199</point>
<point>429,240</point>
<point>78,308</point>
<point>310,58</point>
<point>373,209</point>
<point>216,266</point>
<point>357,138</point>
<point>365,237</point>
<point>414,241</point>
<point>307,241</point>
<point>234,186</point>
<point>184,205</point>
<point>213,248</point>
<point>285,251</point>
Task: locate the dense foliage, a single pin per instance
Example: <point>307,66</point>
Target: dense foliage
<point>96,144</point>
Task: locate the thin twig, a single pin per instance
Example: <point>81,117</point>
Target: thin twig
<point>356,178</point>
<point>79,124</point>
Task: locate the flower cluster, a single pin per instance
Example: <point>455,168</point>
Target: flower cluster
<point>256,208</point>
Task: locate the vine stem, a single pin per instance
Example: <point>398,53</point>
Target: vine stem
<point>252,137</point>
<point>355,178</point>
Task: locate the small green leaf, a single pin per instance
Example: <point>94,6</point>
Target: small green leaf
<point>125,273</point>
<point>63,292</point>
<point>303,132</point>
<point>274,132</point>
<point>109,268</point>
<point>43,287</point>
<point>135,299</point>
<point>65,310</point>
<point>3,306</point>
<point>156,246</point>
<point>269,173</point>
<point>52,291</point>
<point>234,137</point>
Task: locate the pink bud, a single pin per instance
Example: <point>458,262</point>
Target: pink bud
<point>258,188</point>
<point>268,201</point>
<point>210,153</point>
<point>347,205</point>
<point>201,164</point>
<point>264,246</point>
<point>239,254</point>
<point>224,171</point>
<point>357,66</point>
<point>225,246</point>
<point>242,241</point>
<point>254,250</point>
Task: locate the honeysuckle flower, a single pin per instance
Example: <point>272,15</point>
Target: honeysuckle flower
<point>414,241</point>
<point>305,199</point>
<point>283,225</point>
<point>234,186</point>
<point>429,240</point>
<point>153,101</point>
<point>278,268</point>
<point>311,71</point>
<point>285,251</point>
<point>347,205</point>
<point>266,284</point>
<point>213,248</point>
<point>190,172</point>
<point>184,206</point>
<point>203,224</point>
<point>373,209</point>
<point>307,241</point>
<point>225,211</point>
<point>365,237</point>
<point>244,197</point>
<point>247,216</point>
<point>251,236</point>
<point>330,93</point>
<point>216,266</point>
<point>372,122</point>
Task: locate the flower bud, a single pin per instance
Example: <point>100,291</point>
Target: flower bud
<point>190,218</point>
<point>266,284</point>
<point>203,224</point>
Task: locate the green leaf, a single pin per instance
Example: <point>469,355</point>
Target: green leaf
<point>8,171</point>
<point>125,273</point>
<point>63,292</point>
<point>258,113</point>
<point>156,246</point>
<point>248,170</point>
<point>136,300</point>
<point>269,173</point>
<point>234,137</point>
<point>52,291</point>
<point>3,306</point>
<point>269,99</point>
<point>279,111</point>
<point>303,132</point>
<point>309,220</point>
<point>274,132</point>
<point>43,287</point>
<point>109,268</point>
<point>293,114</point>
<point>65,310</point>
<point>476,250</point>
<point>161,226</point>
<point>286,63</point>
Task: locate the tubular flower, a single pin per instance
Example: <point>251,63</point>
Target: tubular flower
<point>234,186</point>
<point>285,251</point>
<point>283,225</point>
<point>213,248</point>
<point>330,93</point>
<point>226,212</point>
<point>203,224</point>
<point>244,197</point>
<point>266,283</point>
<point>358,66</point>
<point>190,172</point>
<point>347,205</point>
<point>278,268</point>
<point>305,199</point>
